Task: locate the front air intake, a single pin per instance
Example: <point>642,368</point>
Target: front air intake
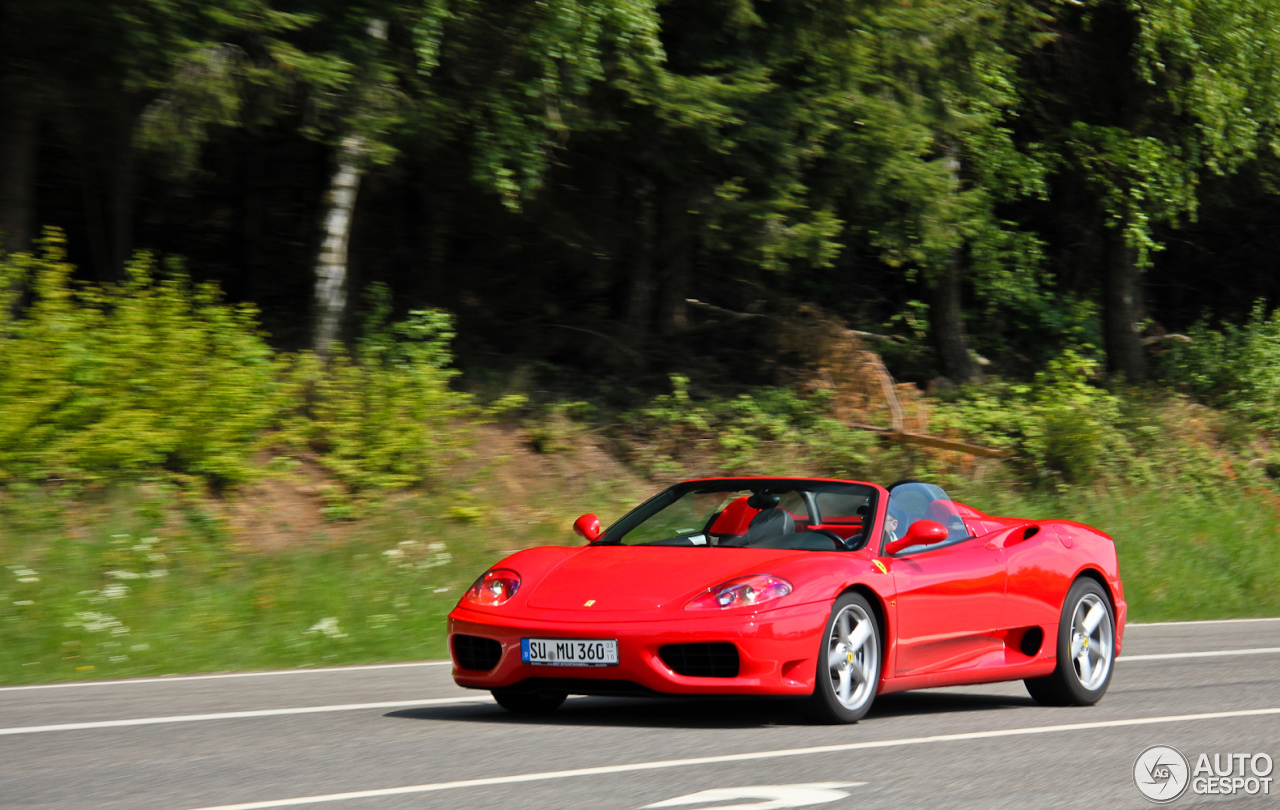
<point>716,659</point>
<point>474,652</point>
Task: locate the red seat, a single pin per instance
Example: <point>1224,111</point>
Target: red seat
<point>734,518</point>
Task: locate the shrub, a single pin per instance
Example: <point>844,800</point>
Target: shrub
<point>1061,425</point>
<point>765,431</point>
<point>384,416</point>
<point>1235,367</point>
<point>115,381</point>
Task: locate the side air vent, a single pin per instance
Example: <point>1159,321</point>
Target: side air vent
<point>1031,641</point>
<point>474,652</point>
<point>717,659</point>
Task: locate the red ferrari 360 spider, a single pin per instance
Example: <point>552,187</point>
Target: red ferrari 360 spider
<point>829,591</point>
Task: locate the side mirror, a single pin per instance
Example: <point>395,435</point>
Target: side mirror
<point>588,527</point>
<point>921,533</point>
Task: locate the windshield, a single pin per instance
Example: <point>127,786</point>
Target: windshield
<point>751,513</point>
<point>911,501</point>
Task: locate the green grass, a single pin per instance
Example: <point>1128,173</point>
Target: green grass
<point>146,582</point>
<point>144,586</point>
<point>1184,555</point>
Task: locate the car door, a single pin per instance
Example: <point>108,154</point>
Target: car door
<point>950,605</point>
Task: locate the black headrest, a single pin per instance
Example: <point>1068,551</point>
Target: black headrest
<point>763,500</point>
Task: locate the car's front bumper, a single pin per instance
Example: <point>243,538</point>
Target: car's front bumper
<point>777,652</point>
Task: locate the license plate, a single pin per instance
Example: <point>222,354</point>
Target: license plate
<point>570,652</point>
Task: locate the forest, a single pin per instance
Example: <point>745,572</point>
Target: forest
<point>299,293</point>
<point>1006,178</point>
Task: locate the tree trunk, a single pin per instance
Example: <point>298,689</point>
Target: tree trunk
<point>123,184</point>
<point>947,322</point>
<point>677,257</point>
<point>19,131</point>
<point>1123,310</point>
<point>253,214</point>
<point>643,247</point>
<point>331,267</point>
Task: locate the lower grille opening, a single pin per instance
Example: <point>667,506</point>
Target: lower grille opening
<point>714,659</point>
<point>474,652</point>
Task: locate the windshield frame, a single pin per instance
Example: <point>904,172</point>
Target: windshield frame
<point>614,534</point>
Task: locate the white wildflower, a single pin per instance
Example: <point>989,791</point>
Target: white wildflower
<point>24,574</point>
<point>140,647</point>
<point>440,556</point>
<point>116,590</point>
<point>23,602</point>
<point>94,622</point>
<point>118,659</point>
<point>327,626</point>
<point>124,575</point>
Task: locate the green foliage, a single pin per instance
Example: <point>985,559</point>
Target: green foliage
<point>1234,367</point>
<point>383,417</point>
<point>768,430</point>
<point>122,380</point>
<point>1061,426</point>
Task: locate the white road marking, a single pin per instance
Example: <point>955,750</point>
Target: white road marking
<point>748,757</point>
<point>1207,654</point>
<point>265,673</point>
<point>1201,621</point>
<point>357,668</point>
<point>775,797</point>
<point>346,707</point>
<point>194,718</point>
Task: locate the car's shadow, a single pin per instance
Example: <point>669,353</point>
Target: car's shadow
<point>705,712</point>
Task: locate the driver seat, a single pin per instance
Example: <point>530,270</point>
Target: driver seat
<point>770,524</point>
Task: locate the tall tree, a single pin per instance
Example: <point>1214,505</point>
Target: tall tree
<point>915,104</point>
<point>1139,101</point>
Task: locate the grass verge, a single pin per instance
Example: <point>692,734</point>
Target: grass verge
<point>142,581</point>
<point>145,582</point>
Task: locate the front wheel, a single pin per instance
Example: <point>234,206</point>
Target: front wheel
<point>1086,650</point>
<point>848,663</point>
<point>528,702</point>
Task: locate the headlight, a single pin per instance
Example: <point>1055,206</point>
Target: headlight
<point>740,592</point>
<point>494,587</point>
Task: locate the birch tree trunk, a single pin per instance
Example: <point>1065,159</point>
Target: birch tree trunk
<point>331,267</point>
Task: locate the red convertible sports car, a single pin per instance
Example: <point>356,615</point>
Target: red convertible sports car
<point>827,591</point>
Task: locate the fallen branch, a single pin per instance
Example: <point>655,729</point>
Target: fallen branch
<point>936,442</point>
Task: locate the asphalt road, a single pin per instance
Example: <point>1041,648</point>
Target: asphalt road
<point>403,736</point>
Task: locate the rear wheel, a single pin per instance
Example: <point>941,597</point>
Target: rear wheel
<point>1086,650</point>
<point>848,663</point>
<point>529,702</point>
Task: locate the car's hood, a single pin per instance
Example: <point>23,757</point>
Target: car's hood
<point>643,578</point>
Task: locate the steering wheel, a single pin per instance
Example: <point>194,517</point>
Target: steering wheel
<point>835,538</point>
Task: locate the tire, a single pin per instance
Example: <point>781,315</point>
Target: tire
<point>529,702</point>
<point>1086,650</point>
<point>849,661</point>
